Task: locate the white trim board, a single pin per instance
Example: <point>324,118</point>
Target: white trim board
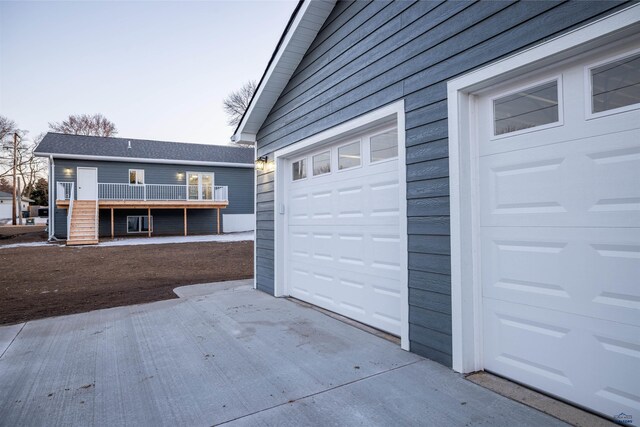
<point>302,32</point>
<point>143,160</point>
<point>465,280</point>
<point>390,113</point>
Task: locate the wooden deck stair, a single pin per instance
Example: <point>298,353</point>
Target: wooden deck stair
<point>83,223</point>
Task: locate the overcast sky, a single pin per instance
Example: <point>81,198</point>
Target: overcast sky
<point>158,70</point>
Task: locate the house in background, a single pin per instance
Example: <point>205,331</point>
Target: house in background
<point>127,187</point>
<point>465,175</point>
<point>6,204</point>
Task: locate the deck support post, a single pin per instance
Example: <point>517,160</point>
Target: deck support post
<point>112,223</point>
<point>218,217</point>
<point>149,220</point>
<point>185,221</point>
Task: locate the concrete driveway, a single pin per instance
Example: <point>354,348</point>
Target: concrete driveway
<point>229,354</point>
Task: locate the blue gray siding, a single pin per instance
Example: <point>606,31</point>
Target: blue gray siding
<point>369,54</point>
<point>200,221</point>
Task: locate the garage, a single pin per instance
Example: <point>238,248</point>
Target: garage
<point>559,229</point>
<point>342,220</point>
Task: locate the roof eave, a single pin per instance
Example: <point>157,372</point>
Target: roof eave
<point>143,160</point>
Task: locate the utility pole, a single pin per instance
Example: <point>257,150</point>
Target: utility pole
<point>15,173</point>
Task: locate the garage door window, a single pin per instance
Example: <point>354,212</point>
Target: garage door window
<point>615,86</point>
<point>384,146</point>
<point>527,108</point>
<point>322,163</point>
<point>299,169</point>
<point>349,156</point>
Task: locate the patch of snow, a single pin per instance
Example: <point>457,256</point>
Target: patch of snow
<point>231,237</point>
<point>21,245</point>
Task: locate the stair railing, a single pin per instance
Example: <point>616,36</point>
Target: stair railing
<point>70,211</point>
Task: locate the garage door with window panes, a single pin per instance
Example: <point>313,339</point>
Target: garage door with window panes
<point>342,228</point>
<point>559,220</point>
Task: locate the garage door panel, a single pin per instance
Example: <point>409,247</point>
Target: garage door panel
<point>349,202</point>
<point>356,249</point>
<point>586,358</point>
<point>591,272</point>
<point>365,297</point>
<point>588,182</point>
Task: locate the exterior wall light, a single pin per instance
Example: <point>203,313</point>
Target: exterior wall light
<point>261,162</point>
<point>67,171</point>
<point>180,176</point>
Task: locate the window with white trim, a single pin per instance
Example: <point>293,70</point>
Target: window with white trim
<point>136,176</point>
<point>322,163</point>
<point>527,108</point>
<point>349,156</point>
<point>139,224</point>
<point>299,169</point>
<point>384,145</point>
<point>616,84</point>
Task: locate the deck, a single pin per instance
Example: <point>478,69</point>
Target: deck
<point>155,204</point>
<point>147,196</point>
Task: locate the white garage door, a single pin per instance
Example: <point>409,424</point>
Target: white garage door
<point>560,231</point>
<point>342,248</point>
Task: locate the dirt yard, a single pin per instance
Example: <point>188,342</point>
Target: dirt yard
<point>10,234</point>
<point>45,281</point>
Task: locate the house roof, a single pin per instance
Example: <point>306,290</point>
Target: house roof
<point>5,195</point>
<point>141,150</point>
<point>302,28</point>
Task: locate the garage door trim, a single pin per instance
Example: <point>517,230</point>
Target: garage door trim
<point>466,292</point>
<point>388,114</point>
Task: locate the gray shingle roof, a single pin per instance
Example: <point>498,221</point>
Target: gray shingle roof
<point>80,145</point>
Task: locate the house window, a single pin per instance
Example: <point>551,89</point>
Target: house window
<point>616,84</point>
<point>136,176</point>
<point>200,185</point>
<point>349,156</point>
<point>384,146</point>
<point>322,163</point>
<point>525,109</point>
<point>139,224</point>
<point>299,169</point>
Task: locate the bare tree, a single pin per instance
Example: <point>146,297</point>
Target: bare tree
<point>237,102</point>
<point>85,124</point>
<point>7,126</point>
<point>30,168</point>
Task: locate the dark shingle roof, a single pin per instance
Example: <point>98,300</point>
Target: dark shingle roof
<point>80,145</point>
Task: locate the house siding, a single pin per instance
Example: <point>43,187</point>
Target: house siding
<point>369,54</point>
<point>166,221</point>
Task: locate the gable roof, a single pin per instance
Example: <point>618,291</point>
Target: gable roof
<point>66,146</point>
<point>302,28</point>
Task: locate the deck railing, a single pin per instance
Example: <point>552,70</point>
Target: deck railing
<point>115,191</point>
<point>194,193</point>
<point>64,190</point>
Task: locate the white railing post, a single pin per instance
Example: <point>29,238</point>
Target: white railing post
<point>70,211</point>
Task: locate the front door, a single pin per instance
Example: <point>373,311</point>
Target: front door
<point>87,184</point>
